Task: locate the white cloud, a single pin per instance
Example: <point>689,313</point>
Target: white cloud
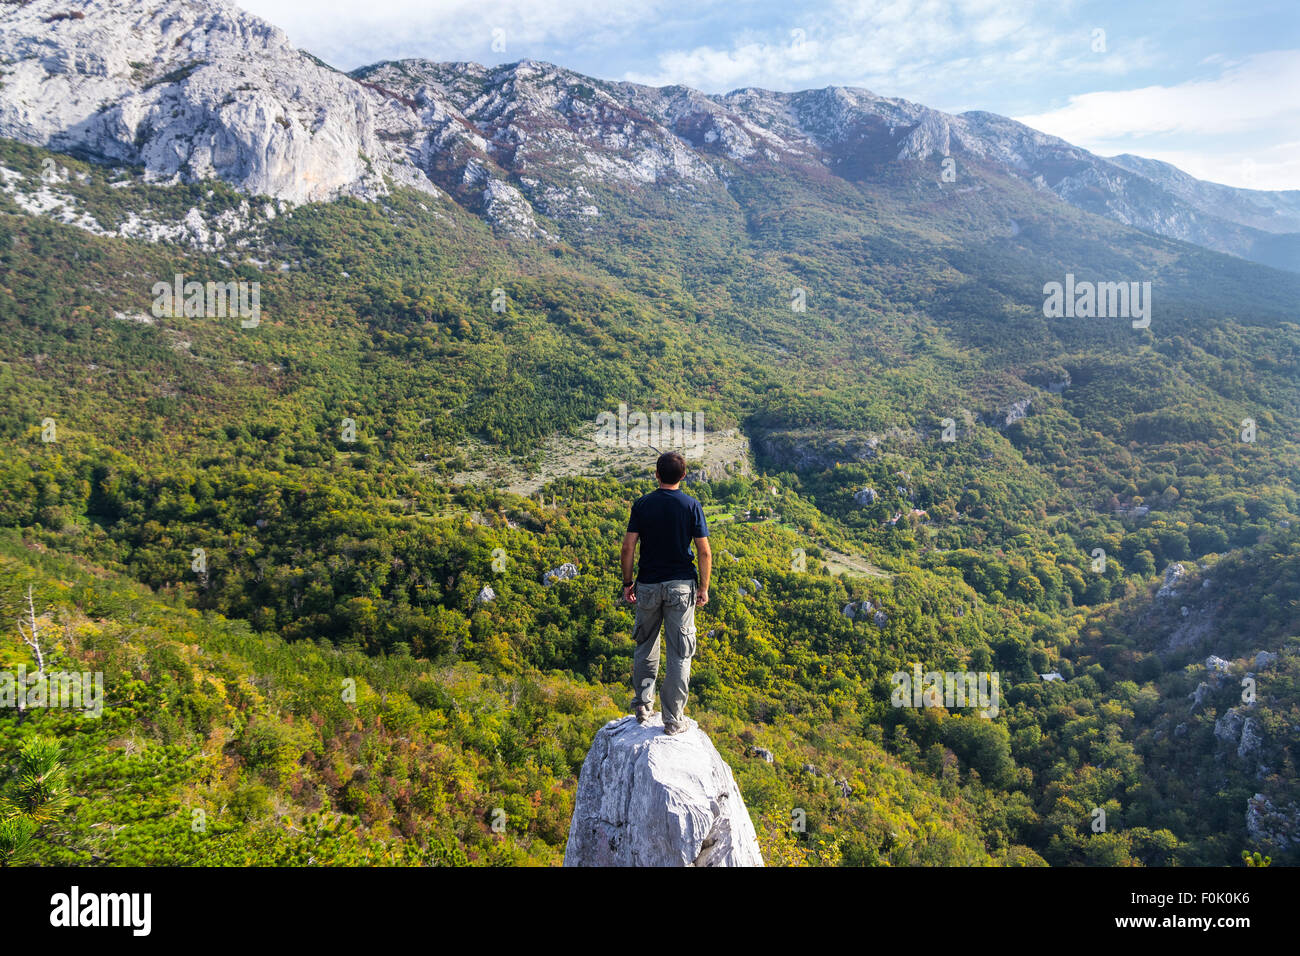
<point>1261,88</point>
<point>352,34</point>
<point>1225,128</point>
<point>919,49</point>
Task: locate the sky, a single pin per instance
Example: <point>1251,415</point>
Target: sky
<point>1212,87</point>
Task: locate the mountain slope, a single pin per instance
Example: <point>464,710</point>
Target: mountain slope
<point>1217,726</point>
<point>942,474</point>
<point>197,88</point>
<point>1275,211</point>
<point>220,746</point>
<point>183,432</point>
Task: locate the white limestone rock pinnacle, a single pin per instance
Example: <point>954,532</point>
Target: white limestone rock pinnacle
<point>648,799</point>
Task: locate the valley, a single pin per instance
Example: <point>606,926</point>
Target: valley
<point>276,540</point>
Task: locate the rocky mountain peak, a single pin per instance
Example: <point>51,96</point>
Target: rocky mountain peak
<point>196,89</point>
<point>189,89</point>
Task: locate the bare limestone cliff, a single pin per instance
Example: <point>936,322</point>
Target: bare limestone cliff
<point>191,89</point>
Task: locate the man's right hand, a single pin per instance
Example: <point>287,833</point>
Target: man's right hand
<point>702,597</point>
<point>629,593</point>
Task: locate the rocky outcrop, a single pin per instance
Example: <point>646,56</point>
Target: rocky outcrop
<point>1174,575</point>
<point>1015,411</point>
<point>1216,664</point>
<point>1228,727</point>
<point>865,498</point>
<point>1271,825</point>
<point>564,572</point>
<point>855,610</point>
<point>814,450</point>
<point>648,799</point>
<point>1196,629</point>
<point>1251,738</point>
<point>190,90</point>
<point>1199,695</point>
<point>1236,726</point>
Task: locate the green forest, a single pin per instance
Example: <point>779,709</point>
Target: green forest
<point>298,667</point>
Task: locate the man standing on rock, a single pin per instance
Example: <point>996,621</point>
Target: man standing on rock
<point>664,591</point>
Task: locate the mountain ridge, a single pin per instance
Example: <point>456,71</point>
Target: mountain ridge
<point>196,89</point>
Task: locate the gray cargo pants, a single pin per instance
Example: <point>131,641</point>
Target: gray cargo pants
<point>672,604</point>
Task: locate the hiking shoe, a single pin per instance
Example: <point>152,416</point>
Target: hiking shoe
<point>643,713</point>
<point>672,729</point>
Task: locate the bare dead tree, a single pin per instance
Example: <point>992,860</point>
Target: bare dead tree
<point>34,642</point>
<point>34,639</point>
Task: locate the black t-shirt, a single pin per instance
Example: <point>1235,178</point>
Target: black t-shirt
<point>667,520</point>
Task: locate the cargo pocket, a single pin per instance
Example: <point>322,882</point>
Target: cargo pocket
<point>688,640</point>
<point>679,596</point>
<point>679,619</point>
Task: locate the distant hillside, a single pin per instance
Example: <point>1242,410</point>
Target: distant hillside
<point>1208,672</point>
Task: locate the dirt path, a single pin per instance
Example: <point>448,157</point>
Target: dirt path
<point>720,453</point>
<point>837,562</point>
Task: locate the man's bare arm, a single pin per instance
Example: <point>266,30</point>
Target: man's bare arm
<point>627,558</point>
<point>706,570</point>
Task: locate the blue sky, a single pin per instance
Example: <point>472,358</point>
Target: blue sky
<point>1213,87</point>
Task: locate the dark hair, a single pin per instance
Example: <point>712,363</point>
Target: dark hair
<point>671,467</point>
